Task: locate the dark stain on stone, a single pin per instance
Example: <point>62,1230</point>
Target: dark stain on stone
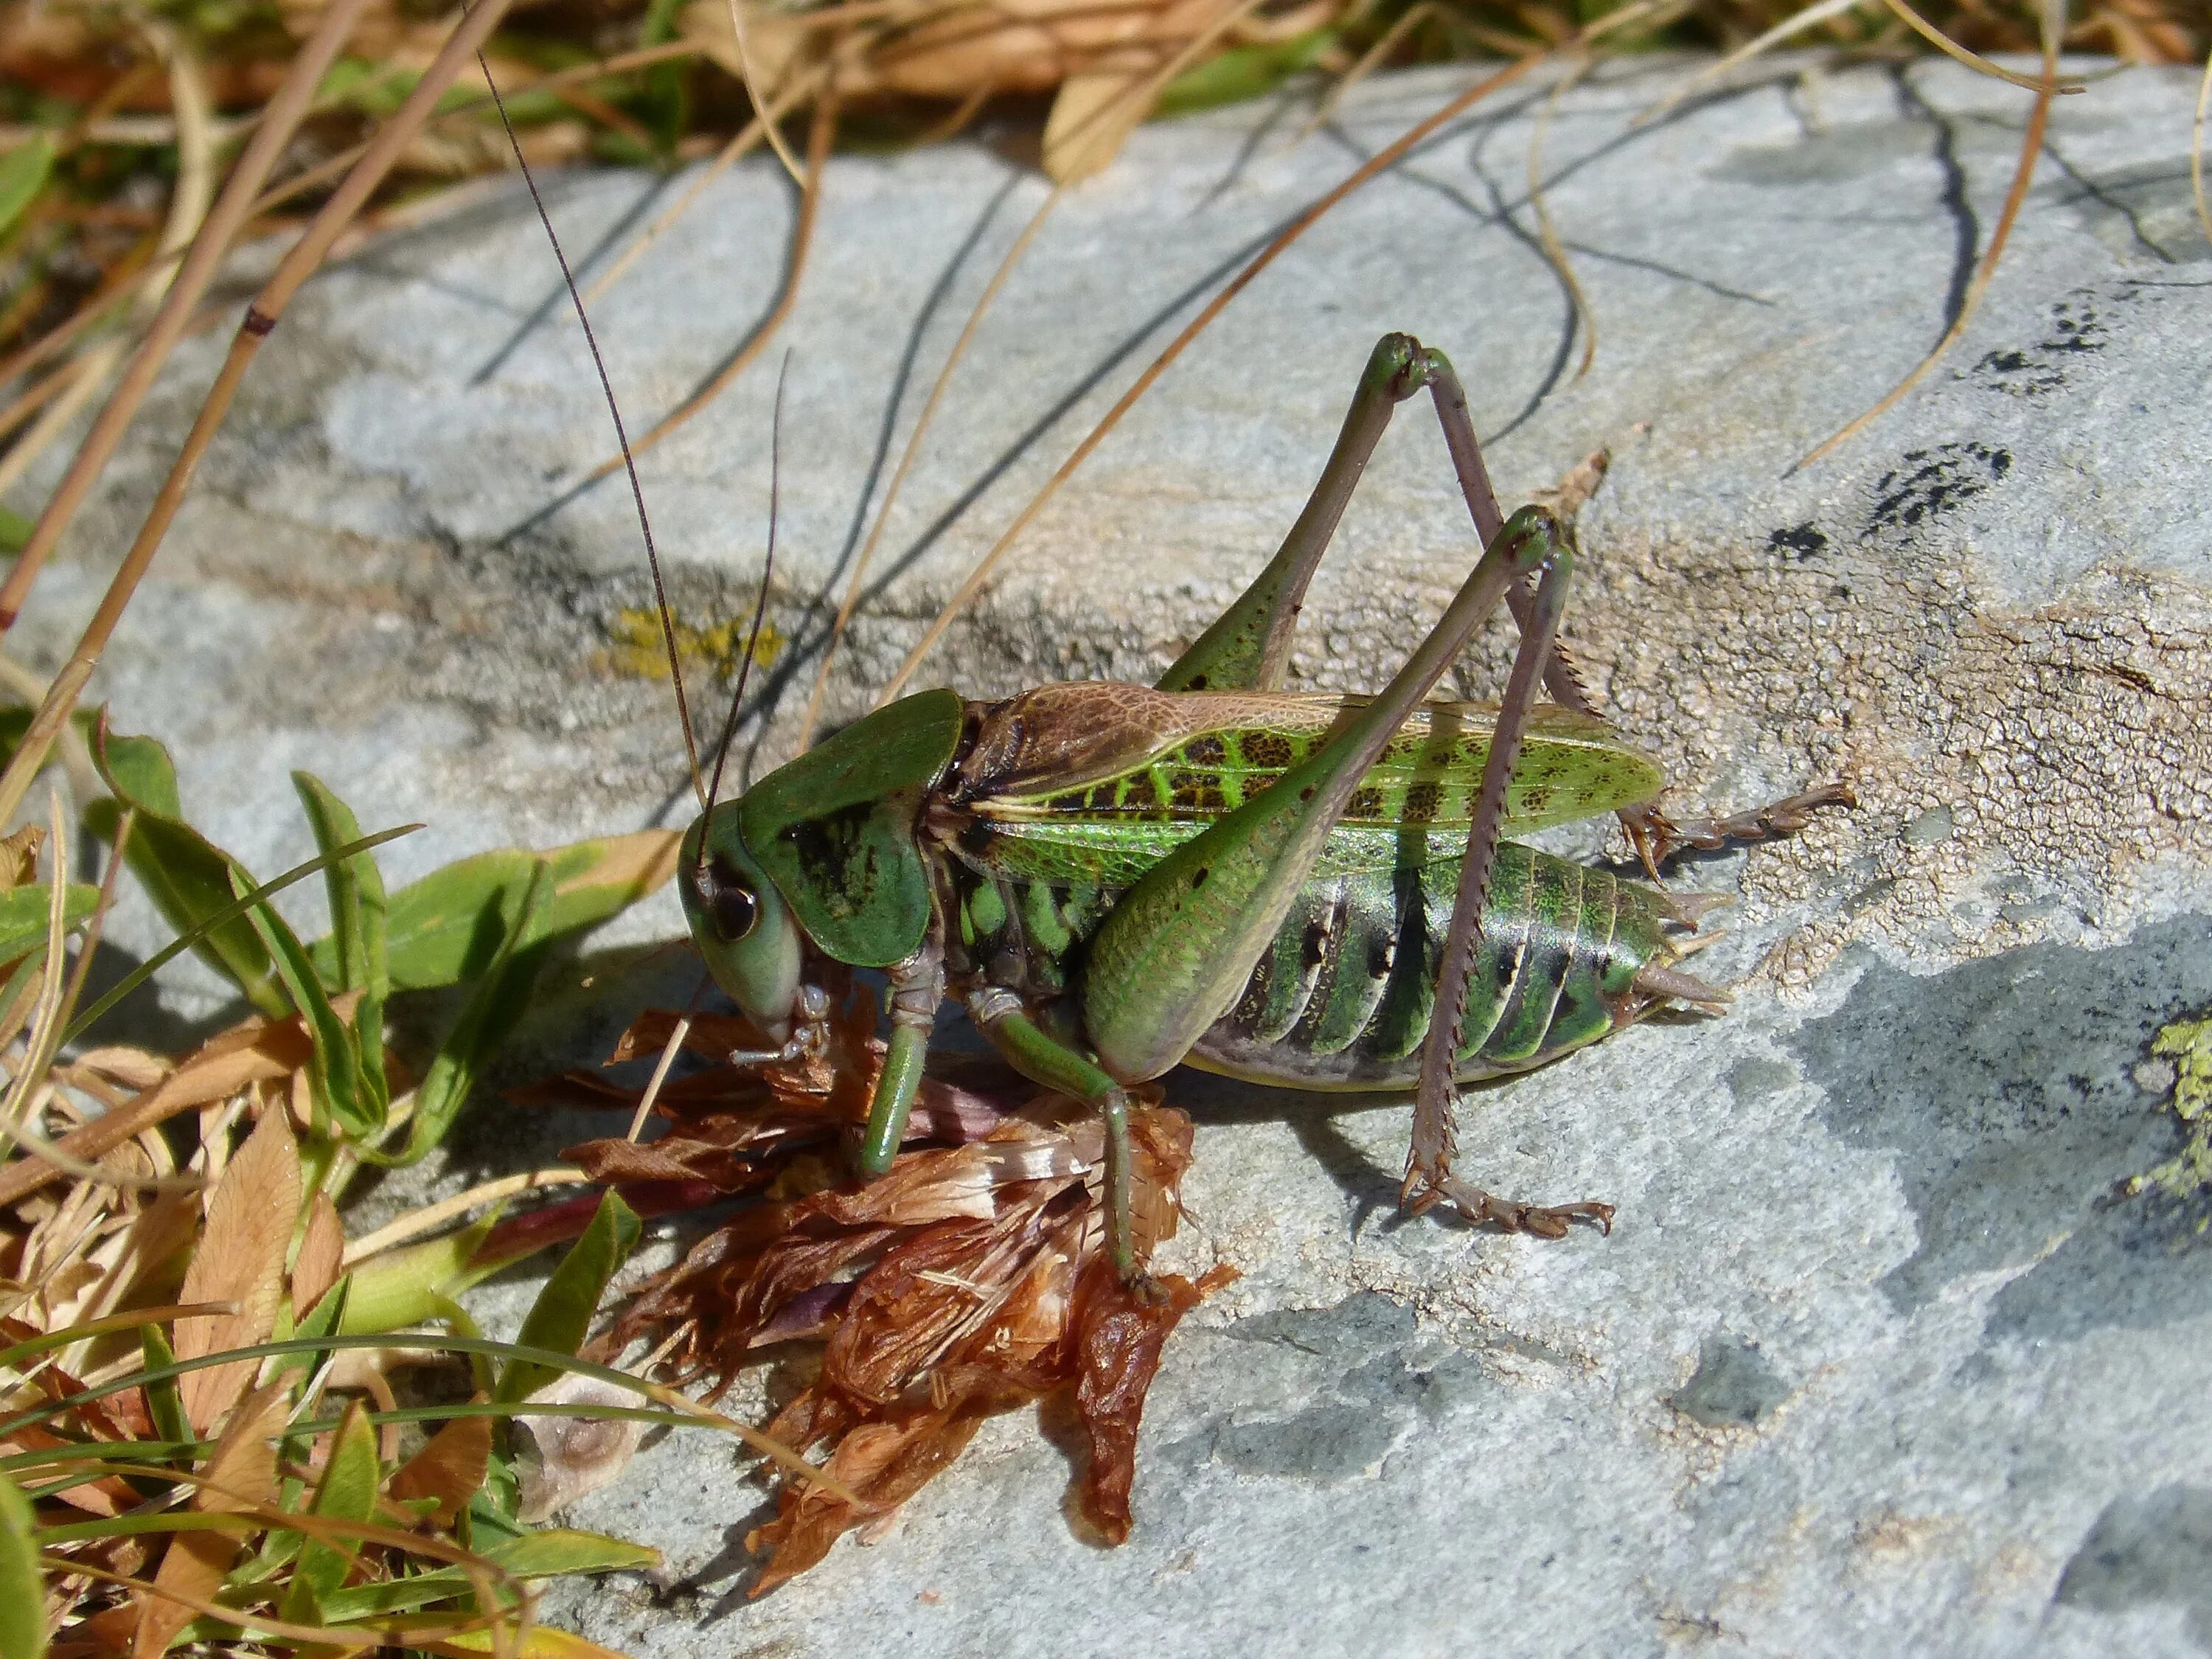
<point>1931,483</point>
<point>1755,1079</point>
<point>2030,372</point>
<point>1733,1387</point>
<point>1799,541</point>
<point>2005,1089</point>
<point>1323,1443</point>
<point>2147,1550</point>
<point>1363,1378</point>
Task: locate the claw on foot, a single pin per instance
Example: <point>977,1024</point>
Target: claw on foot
<point>1424,1189</point>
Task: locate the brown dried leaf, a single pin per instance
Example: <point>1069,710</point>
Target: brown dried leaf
<point>1119,1337</point>
<point>315,1269</point>
<point>1092,116</point>
<point>19,856</point>
<point>240,1260</point>
<point>251,1052</point>
<point>449,1469</point>
<point>886,1462</point>
<point>132,1067</point>
<point>241,1474</point>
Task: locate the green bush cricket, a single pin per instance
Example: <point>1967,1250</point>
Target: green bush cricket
<point>1118,878</point>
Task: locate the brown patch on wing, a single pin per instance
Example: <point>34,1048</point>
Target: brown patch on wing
<point>1067,735</point>
<point>1063,736</point>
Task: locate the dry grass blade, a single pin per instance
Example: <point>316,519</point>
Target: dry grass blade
<point>415,1222</point>
<point>913,448</point>
<point>747,139</point>
<point>2196,150</point>
<point>1974,61</point>
<point>1547,234</point>
<point>240,1260</point>
<point>1369,61</point>
<point>217,231</point>
<point>1096,111</point>
<point>751,83</point>
<point>1381,161</point>
<point>2023,176</point>
<point>76,382</point>
<point>1789,28</point>
<point>261,316</point>
<point>823,129</point>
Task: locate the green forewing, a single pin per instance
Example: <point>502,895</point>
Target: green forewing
<point>1572,766</point>
<point>834,830</point>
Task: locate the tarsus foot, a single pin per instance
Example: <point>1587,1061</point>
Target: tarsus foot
<point>1423,1192</point>
<point>1658,837</point>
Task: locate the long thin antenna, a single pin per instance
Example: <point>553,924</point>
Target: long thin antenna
<point>622,437</point>
<point>760,605</point>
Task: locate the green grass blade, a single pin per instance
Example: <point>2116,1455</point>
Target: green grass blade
<point>561,1317</point>
<point>335,1070</point>
<point>22,1590</point>
<point>493,1010</point>
<point>358,906</point>
<point>347,1493</point>
<point>237,908</point>
<point>164,1404</point>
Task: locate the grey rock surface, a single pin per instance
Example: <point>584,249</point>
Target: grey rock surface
<point>1879,1357</point>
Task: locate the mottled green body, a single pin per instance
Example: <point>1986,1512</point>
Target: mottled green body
<point>1346,995</point>
<point>1026,875</point>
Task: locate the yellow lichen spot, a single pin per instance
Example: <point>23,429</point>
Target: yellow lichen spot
<point>2188,1044</point>
<point>636,648</point>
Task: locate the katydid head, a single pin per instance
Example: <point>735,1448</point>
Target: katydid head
<point>750,942</point>
<point>820,852</point>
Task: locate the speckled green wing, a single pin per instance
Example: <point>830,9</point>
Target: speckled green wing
<point>1166,786</point>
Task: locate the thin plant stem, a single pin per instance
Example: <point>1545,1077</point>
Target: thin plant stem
<point>2023,176</point>
<point>217,231</point>
<point>431,1217</point>
<point>802,239</point>
<point>907,455</point>
<point>261,318</point>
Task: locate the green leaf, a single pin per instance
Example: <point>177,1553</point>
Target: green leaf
<point>495,1007</point>
<point>562,1316</point>
<point>22,1592</point>
<point>355,889</point>
<point>544,1554</point>
<point>186,876</point>
<point>163,1403</point>
<point>24,171</point>
<point>348,1492</point>
<point>1242,72</point>
<point>139,770</point>
<point>327,1319</point>
<point>339,1088</point>
<point>446,928</point>
<point>15,532</point>
<point>237,908</point>
<point>24,912</point>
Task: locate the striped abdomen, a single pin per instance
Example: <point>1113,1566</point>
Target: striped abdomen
<point>1344,997</point>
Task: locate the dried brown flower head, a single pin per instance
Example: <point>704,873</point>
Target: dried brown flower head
<point>973,1279</point>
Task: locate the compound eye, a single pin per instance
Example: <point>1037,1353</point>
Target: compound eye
<point>731,901</point>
